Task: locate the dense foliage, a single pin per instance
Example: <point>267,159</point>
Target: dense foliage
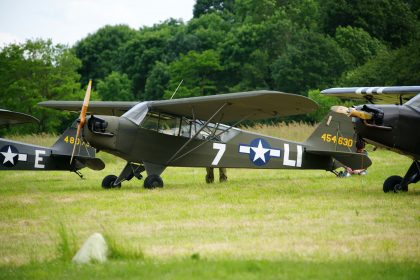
<point>295,46</point>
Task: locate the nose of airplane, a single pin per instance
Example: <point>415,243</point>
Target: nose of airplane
<point>101,132</point>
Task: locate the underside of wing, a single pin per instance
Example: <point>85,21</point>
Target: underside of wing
<point>10,117</point>
<point>230,107</point>
<point>111,108</point>
<point>380,95</point>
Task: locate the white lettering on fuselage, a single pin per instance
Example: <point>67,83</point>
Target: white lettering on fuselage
<point>290,162</point>
<point>39,159</point>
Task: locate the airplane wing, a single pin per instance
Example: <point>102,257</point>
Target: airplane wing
<point>10,117</point>
<point>251,105</point>
<point>224,107</point>
<point>380,95</point>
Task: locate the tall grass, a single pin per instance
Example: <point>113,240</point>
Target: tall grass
<point>295,131</point>
<point>66,244</point>
<point>118,248</point>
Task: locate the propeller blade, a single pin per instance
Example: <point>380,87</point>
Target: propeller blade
<point>340,110</point>
<point>351,112</point>
<point>82,118</point>
<point>360,114</point>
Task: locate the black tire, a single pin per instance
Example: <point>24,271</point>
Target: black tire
<point>392,184</point>
<point>108,182</point>
<point>153,181</point>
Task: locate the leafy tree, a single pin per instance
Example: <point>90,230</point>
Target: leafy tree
<point>199,72</point>
<point>36,71</point>
<point>312,61</point>
<point>100,52</point>
<point>157,82</point>
<point>388,68</point>
<point>325,103</point>
<point>358,43</point>
<point>140,54</point>
<point>202,7</point>
<point>209,31</point>
<point>115,86</point>
<point>392,21</point>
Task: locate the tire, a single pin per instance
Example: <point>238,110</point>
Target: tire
<point>108,182</point>
<point>153,181</point>
<point>392,184</point>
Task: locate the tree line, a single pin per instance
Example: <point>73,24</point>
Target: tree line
<point>295,46</point>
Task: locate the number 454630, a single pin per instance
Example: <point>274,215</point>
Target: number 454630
<point>343,141</point>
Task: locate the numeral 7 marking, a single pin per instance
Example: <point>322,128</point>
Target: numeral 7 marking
<point>222,148</point>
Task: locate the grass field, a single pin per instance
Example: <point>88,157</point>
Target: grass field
<point>259,225</point>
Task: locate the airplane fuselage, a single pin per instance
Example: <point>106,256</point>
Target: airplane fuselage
<point>398,132</point>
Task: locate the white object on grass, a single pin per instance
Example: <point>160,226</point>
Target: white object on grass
<point>94,249</point>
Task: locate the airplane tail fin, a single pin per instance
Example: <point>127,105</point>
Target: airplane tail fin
<point>84,155</point>
<point>335,137</point>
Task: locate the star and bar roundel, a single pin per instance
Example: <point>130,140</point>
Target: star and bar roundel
<point>259,151</point>
<point>9,156</point>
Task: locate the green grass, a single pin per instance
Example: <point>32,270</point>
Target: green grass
<point>259,225</point>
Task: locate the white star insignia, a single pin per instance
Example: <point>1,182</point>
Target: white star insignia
<point>8,156</point>
<point>259,152</point>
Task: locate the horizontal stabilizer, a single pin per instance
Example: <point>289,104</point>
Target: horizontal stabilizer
<point>353,160</point>
<point>92,163</point>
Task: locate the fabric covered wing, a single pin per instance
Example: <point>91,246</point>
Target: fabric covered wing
<point>381,95</point>
<point>111,108</point>
<point>237,106</point>
<point>10,117</point>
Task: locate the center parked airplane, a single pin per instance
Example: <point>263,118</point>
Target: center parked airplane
<point>188,132</point>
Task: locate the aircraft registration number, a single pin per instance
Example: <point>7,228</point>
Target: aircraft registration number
<point>71,140</point>
<point>343,141</point>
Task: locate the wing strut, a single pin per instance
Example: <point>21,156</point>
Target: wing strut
<point>198,132</point>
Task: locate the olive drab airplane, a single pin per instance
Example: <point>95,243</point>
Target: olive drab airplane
<point>395,126</point>
<point>188,132</point>
<point>16,155</point>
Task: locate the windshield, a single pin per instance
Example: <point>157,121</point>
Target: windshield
<point>137,113</point>
<point>414,103</point>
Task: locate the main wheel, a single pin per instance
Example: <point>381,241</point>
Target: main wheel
<point>393,184</point>
<point>153,181</point>
<point>108,182</point>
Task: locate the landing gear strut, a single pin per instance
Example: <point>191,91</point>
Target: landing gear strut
<point>399,184</point>
<point>130,170</point>
<point>153,180</point>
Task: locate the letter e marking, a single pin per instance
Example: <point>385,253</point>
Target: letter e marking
<point>39,159</point>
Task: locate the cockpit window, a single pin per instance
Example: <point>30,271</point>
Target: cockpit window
<point>184,127</point>
<point>162,123</point>
<point>414,103</point>
<point>137,113</point>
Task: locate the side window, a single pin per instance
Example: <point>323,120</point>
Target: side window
<point>150,122</point>
<point>161,123</point>
<point>168,125</point>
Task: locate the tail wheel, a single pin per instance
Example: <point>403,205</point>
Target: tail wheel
<point>153,181</point>
<point>108,182</point>
<point>393,184</point>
